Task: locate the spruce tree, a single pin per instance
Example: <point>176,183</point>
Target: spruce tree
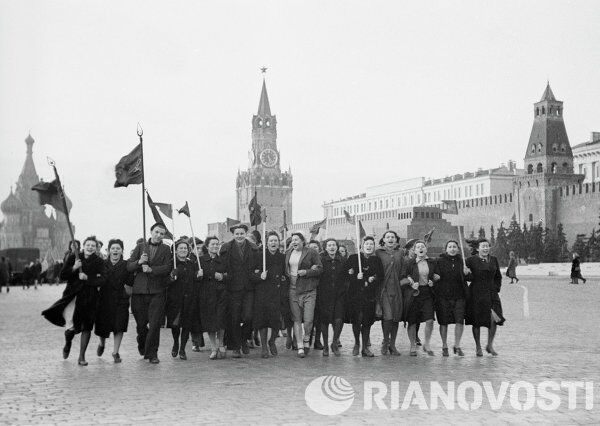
<point>481,234</point>
<point>515,239</point>
<point>580,246</point>
<point>500,250</point>
<point>561,243</point>
<point>492,236</point>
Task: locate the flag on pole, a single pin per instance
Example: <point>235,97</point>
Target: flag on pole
<point>427,237</point>
<point>352,221</point>
<point>166,209</point>
<point>349,219</point>
<point>185,210</point>
<point>50,193</point>
<point>156,215</point>
<point>450,207</point>
<point>314,230</point>
<point>255,211</point>
<point>129,170</point>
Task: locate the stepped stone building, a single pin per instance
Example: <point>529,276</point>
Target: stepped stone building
<point>25,223</point>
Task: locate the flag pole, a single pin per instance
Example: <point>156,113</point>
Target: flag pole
<point>264,241</point>
<point>63,198</point>
<point>264,233</point>
<point>194,240</point>
<point>174,248</point>
<point>140,133</point>
<point>356,226</point>
<point>462,249</point>
<point>326,226</point>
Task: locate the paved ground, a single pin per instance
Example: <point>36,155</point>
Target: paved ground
<point>559,341</point>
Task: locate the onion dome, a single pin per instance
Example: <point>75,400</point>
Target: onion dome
<point>12,204</point>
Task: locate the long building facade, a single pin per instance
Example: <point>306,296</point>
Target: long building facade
<point>557,185</point>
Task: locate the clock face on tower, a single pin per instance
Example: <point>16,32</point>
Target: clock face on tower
<point>268,157</point>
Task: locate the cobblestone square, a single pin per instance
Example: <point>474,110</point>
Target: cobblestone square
<point>557,342</point>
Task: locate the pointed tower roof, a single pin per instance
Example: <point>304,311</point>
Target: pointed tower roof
<point>264,109</point>
<point>548,95</point>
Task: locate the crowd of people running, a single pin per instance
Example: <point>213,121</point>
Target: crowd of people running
<point>245,296</point>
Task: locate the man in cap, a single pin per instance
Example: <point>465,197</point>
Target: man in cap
<point>240,257</point>
<point>151,261</point>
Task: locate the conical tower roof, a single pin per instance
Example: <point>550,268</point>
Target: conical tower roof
<point>264,109</point>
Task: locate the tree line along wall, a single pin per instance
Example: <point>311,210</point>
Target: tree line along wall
<point>483,212</point>
<point>578,209</point>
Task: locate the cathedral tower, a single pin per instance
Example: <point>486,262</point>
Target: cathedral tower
<point>264,176</point>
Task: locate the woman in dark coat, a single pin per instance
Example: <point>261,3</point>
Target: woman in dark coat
<point>267,298</point>
<point>450,296</point>
<point>511,270</point>
<point>576,270</point>
<point>484,308</point>
<point>113,304</point>
<point>362,294</point>
<point>417,289</point>
<point>183,292</point>
<point>212,302</point>
<point>331,295</point>
<point>390,293</point>
<point>84,273</point>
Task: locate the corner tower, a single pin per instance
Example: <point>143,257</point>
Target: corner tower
<point>548,165</point>
<point>264,176</point>
<point>548,149</point>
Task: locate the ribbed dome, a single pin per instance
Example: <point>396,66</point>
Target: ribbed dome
<point>12,204</point>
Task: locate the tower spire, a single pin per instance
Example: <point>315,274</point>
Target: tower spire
<point>264,110</point>
<point>548,95</point>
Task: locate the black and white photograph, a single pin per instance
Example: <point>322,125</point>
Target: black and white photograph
<point>299,212</point>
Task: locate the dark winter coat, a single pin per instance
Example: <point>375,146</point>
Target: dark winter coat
<point>113,304</point>
<point>161,264</point>
<point>390,293</point>
<point>267,307</point>
<point>86,292</point>
<point>486,280</point>
<point>452,284</point>
<point>331,292</point>
<point>212,301</point>
<point>182,305</point>
<point>362,295</point>
<point>425,291</point>
<point>239,266</point>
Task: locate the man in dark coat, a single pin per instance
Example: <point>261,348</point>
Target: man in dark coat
<point>4,277</point>
<point>151,262</point>
<point>240,257</point>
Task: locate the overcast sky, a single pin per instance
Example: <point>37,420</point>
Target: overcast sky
<point>364,92</point>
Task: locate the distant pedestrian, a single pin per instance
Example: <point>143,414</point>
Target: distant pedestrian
<point>576,270</point>
<point>27,276</point>
<point>511,271</point>
<point>4,276</point>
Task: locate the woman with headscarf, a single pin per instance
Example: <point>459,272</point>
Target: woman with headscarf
<point>390,293</point>
<point>484,308</point>
<point>362,294</point>
<point>450,295</point>
<point>113,303</point>
<point>511,270</point>
<point>576,270</point>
